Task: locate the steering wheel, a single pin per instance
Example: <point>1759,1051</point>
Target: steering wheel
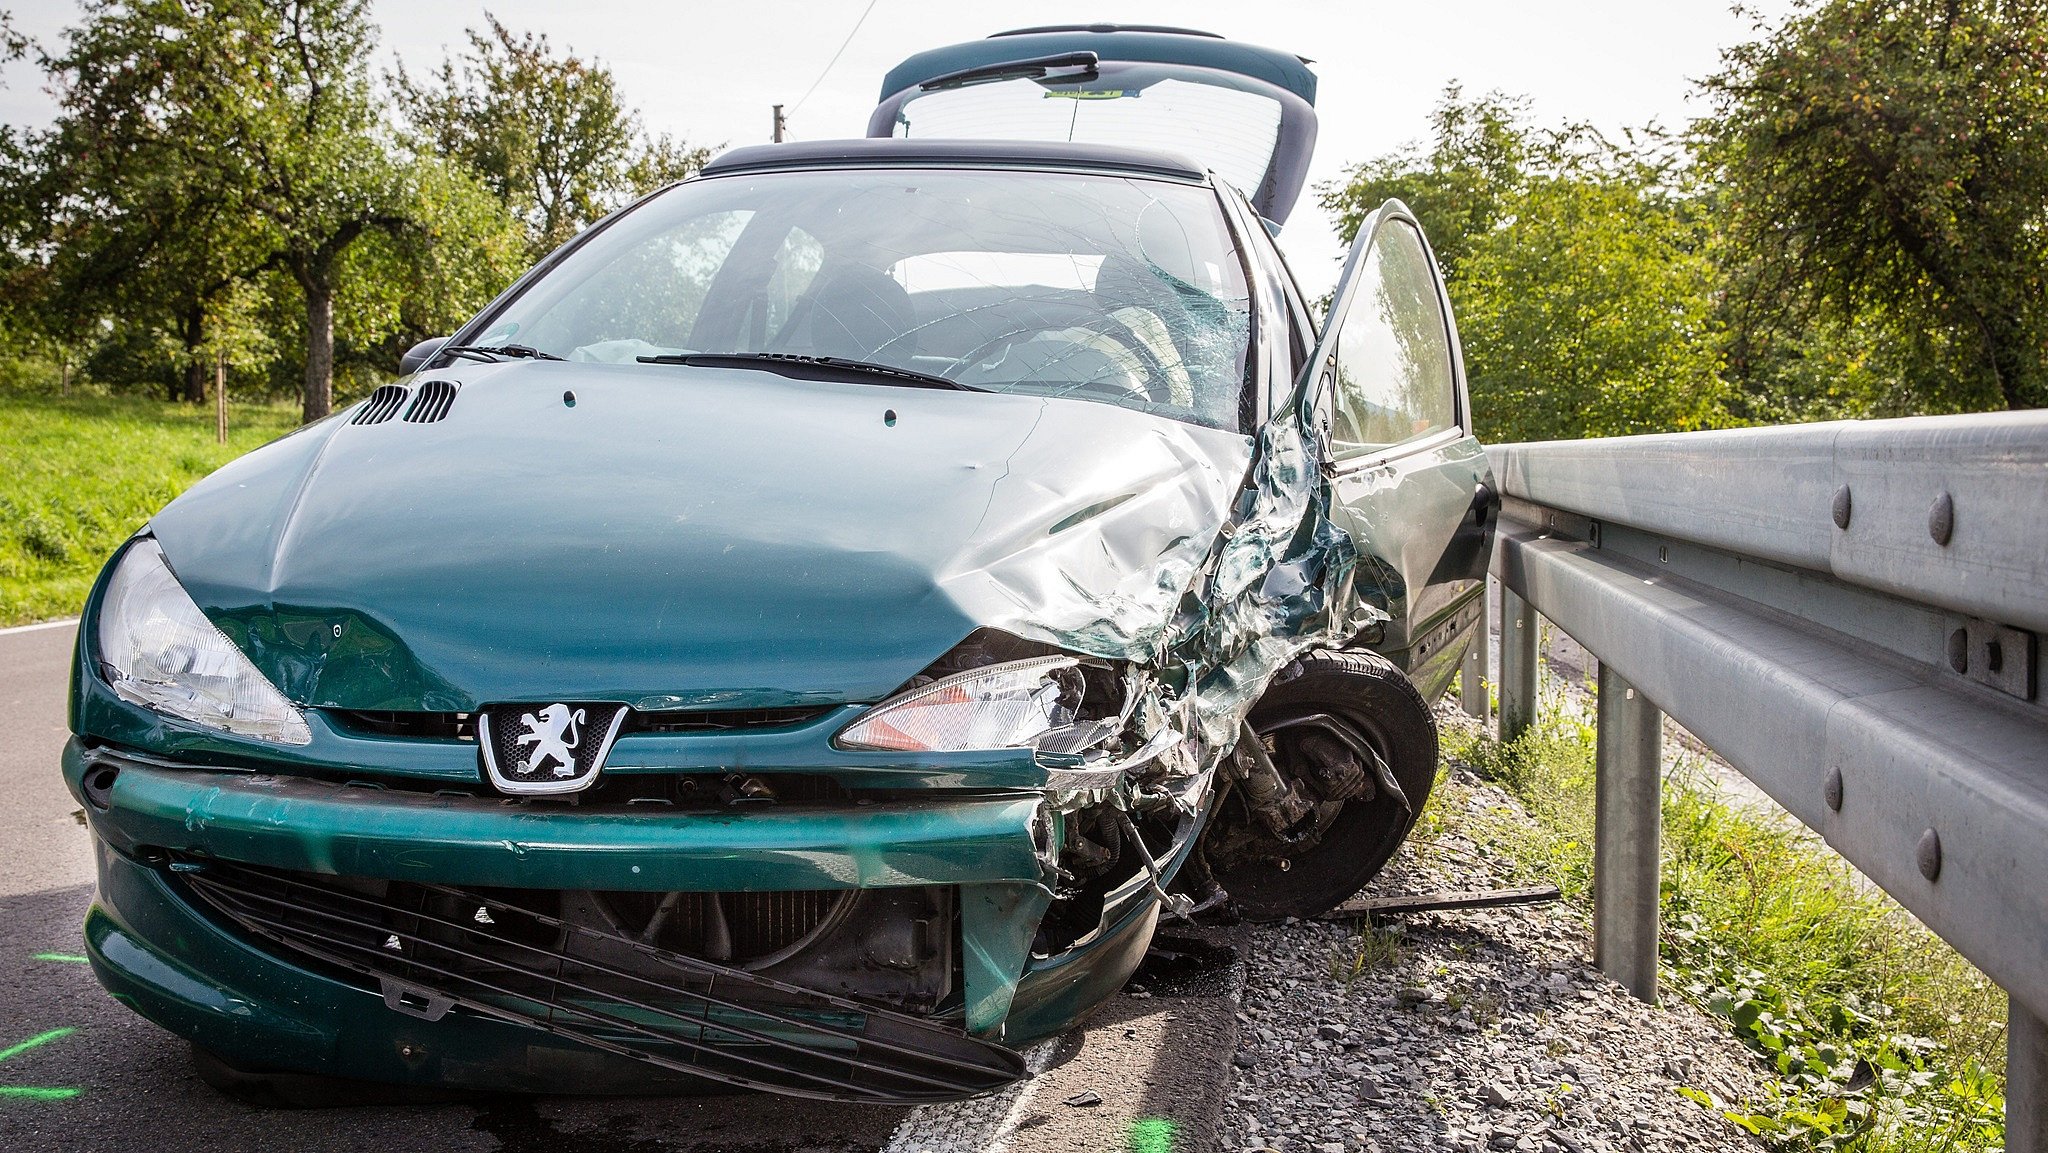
<point>1157,386</point>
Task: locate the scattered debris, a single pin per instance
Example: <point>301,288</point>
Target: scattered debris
<point>1433,902</point>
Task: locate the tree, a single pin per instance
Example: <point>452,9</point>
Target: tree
<point>1459,189</point>
<point>548,133</point>
<point>395,289</point>
<point>293,122</point>
<point>1590,311</point>
<point>1884,166</point>
<point>1578,270</point>
<point>111,220</point>
<point>207,140</point>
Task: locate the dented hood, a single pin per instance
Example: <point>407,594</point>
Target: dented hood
<point>693,538</point>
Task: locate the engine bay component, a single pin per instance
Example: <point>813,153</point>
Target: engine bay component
<point>1355,743</point>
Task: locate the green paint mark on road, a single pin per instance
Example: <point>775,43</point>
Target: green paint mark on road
<point>1152,1135</point>
<point>39,1039</point>
<point>23,1091</point>
<point>67,958</point>
<point>29,1093</point>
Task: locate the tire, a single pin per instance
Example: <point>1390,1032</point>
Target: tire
<point>1368,693</point>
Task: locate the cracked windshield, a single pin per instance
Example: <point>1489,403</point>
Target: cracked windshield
<point>1111,289</point>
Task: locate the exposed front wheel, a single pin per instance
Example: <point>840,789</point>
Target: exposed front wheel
<point>1345,759</point>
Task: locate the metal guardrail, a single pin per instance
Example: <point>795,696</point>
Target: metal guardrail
<point>1848,613</point>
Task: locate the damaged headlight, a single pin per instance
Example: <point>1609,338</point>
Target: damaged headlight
<point>1004,706</point>
<point>159,651</point>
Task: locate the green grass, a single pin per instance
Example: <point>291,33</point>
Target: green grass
<point>1876,1035</point>
<point>82,473</point>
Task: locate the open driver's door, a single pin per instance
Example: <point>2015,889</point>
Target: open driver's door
<point>1410,481</point>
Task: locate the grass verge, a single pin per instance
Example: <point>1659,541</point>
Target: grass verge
<point>1878,1036</point>
<point>83,472</point>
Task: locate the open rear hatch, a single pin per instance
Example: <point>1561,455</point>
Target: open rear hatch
<point>1246,113</point>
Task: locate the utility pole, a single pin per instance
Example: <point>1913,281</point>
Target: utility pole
<point>220,397</point>
<point>780,125</point>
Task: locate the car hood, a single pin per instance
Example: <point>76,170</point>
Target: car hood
<point>692,538</point>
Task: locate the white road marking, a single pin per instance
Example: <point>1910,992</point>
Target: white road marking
<point>63,624</point>
<point>983,1125</point>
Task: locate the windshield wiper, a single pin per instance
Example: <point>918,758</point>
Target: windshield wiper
<point>497,351</point>
<point>809,367</point>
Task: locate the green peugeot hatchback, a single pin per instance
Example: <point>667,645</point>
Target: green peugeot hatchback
<point>809,630</point>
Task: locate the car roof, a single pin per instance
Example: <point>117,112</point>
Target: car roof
<point>873,152</point>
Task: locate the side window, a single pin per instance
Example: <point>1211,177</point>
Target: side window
<point>1394,380</point>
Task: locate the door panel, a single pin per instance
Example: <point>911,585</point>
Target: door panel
<point>1411,483</point>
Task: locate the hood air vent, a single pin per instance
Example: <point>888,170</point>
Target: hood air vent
<point>436,397</point>
<point>384,404</point>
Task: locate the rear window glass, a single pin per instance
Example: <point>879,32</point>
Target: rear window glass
<point>1232,131</point>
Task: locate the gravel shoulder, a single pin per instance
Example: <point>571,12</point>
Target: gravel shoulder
<point>1481,1030</point>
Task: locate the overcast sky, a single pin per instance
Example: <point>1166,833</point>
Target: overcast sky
<point>710,71</point>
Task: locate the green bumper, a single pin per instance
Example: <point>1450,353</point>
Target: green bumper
<point>315,826</point>
<point>163,956</point>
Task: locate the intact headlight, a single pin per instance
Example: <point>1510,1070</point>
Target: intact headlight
<point>1005,706</point>
<point>161,652</point>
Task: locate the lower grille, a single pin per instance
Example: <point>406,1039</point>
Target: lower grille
<point>605,989</point>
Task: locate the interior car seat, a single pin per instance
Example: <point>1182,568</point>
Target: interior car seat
<point>853,311</point>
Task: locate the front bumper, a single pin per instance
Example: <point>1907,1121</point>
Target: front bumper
<point>178,963</point>
<point>311,825</point>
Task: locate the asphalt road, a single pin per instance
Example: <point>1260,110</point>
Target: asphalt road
<point>80,1072</point>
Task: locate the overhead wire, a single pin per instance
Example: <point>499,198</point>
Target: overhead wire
<point>851,32</point>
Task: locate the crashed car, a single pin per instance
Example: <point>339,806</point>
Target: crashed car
<point>808,632</point>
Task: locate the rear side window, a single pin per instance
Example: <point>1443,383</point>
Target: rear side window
<point>1394,380</point>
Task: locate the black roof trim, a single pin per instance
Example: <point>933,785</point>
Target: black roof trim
<point>1166,29</point>
<point>893,152</point>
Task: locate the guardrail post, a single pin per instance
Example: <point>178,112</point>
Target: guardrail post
<point>1472,678</point>
<point>1628,825</point>
<point>1517,665</point>
<point>2026,1080</point>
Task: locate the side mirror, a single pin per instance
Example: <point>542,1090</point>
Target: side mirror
<point>419,354</point>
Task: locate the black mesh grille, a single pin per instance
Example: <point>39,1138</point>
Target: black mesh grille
<point>435,399</point>
<point>721,720</point>
<point>423,726</point>
<point>432,947</point>
<point>382,405</point>
<point>462,726</point>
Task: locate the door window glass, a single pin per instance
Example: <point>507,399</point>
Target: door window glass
<point>1394,380</point>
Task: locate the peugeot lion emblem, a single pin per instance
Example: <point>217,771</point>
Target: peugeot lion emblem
<point>555,748</point>
<point>554,737</point>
